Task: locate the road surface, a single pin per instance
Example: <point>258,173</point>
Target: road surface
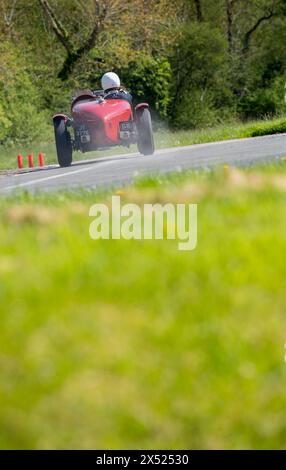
<point>122,169</point>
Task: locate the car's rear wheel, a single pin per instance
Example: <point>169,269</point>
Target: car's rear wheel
<point>145,133</point>
<point>63,143</point>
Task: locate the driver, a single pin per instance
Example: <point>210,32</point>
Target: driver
<point>112,90</point>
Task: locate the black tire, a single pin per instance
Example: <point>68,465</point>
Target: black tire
<point>145,141</point>
<point>63,143</point>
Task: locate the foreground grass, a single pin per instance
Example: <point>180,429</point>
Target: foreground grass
<point>163,138</point>
<point>135,344</point>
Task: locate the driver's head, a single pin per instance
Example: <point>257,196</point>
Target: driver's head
<point>110,80</point>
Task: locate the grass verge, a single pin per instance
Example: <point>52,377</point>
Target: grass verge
<point>129,344</point>
<point>164,138</point>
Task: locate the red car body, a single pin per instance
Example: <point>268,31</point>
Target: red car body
<point>102,120</point>
<point>99,123</point>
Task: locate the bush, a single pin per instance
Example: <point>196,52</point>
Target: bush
<point>195,111</point>
<point>199,110</point>
<point>267,101</point>
<point>276,126</point>
<point>20,117</point>
<point>5,124</point>
<point>200,67</point>
<point>149,79</point>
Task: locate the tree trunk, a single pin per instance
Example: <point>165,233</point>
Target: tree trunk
<point>74,54</point>
<point>229,14</point>
<point>199,12</point>
<point>248,35</point>
<point>68,66</point>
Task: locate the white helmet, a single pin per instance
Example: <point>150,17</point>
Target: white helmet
<point>110,80</point>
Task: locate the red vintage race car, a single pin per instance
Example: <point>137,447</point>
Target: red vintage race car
<point>97,123</point>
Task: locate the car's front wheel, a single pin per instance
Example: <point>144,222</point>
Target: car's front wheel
<point>145,133</point>
<point>63,143</point>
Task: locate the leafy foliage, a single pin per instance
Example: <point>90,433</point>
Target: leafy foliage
<point>149,79</point>
<point>20,117</point>
<point>200,68</point>
<point>198,63</point>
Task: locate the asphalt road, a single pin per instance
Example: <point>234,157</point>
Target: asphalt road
<point>122,169</point>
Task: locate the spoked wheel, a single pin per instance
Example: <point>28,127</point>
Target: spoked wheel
<point>63,143</point>
<point>145,133</point>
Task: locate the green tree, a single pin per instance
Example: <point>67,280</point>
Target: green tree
<point>200,67</point>
<point>20,117</point>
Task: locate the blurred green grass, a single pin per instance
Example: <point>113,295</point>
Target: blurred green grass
<point>164,137</point>
<point>129,344</point>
